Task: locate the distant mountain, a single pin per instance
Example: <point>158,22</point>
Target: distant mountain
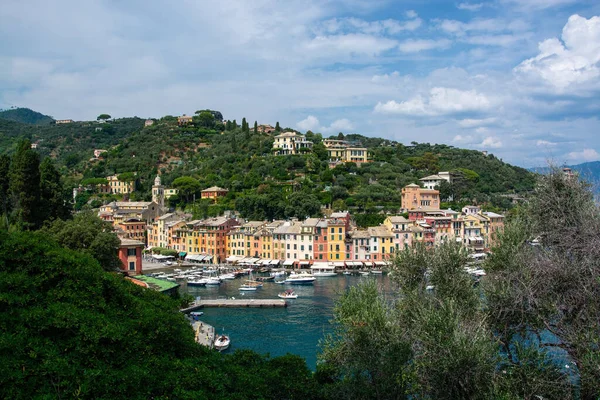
<point>589,171</point>
<point>26,116</point>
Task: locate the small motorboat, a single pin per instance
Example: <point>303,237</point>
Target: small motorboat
<point>227,277</point>
<point>222,342</point>
<point>196,314</point>
<point>376,271</point>
<point>347,273</point>
<point>248,288</point>
<point>364,273</point>
<point>197,282</point>
<point>213,281</point>
<point>288,294</point>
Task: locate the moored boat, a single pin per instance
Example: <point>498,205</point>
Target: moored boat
<point>222,342</point>
<point>288,294</point>
<point>300,279</point>
<point>322,269</point>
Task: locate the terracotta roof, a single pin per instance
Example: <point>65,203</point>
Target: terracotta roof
<point>215,189</point>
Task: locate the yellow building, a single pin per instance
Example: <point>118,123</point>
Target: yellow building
<point>341,151</point>
<point>336,239</point>
<point>171,192</point>
<point>120,187</point>
<point>210,237</point>
<point>415,197</point>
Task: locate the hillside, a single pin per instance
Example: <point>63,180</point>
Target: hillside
<point>26,116</point>
<point>260,184</point>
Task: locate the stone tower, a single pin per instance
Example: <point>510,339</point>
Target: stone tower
<point>158,193</point>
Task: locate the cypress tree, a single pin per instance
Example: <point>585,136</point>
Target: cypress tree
<point>277,127</point>
<point>4,185</point>
<point>234,124</point>
<point>24,185</point>
<point>255,128</point>
<point>244,124</point>
<point>52,192</point>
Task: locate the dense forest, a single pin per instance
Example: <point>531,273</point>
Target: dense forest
<point>26,116</point>
<point>210,152</point>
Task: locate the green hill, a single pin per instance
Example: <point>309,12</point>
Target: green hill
<point>26,116</point>
<point>260,184</point>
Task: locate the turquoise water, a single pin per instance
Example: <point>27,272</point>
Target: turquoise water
<point>295,329</point>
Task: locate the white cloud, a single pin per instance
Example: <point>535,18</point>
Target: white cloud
<point>417,45</point>
<point>584,155</point>
<point>491,142</point>
<point>357,25</point>
<point>441,101</point>
<point>473,123</point>
<point>545,143</point>
<point>470,6</point>
<point>350,44</point>
<point>537,4</point>
<point>311,123</point>
<point>574,61</point>
<point>411,14</point>
<point>462,139</point>
<point>341,125</point>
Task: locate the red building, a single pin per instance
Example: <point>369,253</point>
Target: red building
<point>320,249</point>
<point>130,254</point>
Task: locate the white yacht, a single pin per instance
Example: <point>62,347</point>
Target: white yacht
<point>322,269</point>
<point>300,279</point>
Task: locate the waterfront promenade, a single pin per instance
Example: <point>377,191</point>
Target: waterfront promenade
<point>204,334</point>
<point>236,303</point>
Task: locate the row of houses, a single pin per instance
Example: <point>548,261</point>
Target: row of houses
<point>293,242</point>
<point>332,239</point>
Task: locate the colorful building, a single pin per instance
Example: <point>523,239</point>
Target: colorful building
<point>130,254</point>
<point>415,197</point>
<point>213,193</point>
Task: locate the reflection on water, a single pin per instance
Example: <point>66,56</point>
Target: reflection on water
<point>296,329</point>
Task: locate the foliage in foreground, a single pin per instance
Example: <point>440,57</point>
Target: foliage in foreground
<point>445,337</point>
<point>68,329</point>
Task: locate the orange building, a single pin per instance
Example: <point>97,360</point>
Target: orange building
<point>415,197</point>
<point>214,193</point>
<point>210,237</point>
<point>134,228</point>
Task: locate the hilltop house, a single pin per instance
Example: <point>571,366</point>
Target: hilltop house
<point>431,181</point>
<point>290,143</point>
<point>184,120</point>
<point>340,151</point>
<point>213,193</point>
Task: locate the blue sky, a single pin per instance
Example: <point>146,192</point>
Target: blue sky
<point>518,78</point>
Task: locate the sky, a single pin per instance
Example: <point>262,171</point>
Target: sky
<point>518,78</point>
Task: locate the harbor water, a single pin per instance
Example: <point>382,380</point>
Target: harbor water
<point>296,329</point>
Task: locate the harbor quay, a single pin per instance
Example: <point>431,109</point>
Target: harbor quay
<point>236,303</point>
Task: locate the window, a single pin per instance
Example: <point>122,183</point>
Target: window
<point>340,230</point>
<point>132,265</point>
<point>131,252</point>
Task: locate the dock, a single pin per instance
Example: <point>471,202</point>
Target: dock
<point>236,303</point>
<point>204,334</point>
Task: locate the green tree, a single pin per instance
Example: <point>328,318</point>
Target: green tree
<point>103,117</point>
<point>4,186</point>
<point>277,127</point>
<point>188,187</point>
<point>53,198</point>
<point>25,185</point>
<point>255,128</point>
<point>543,281</point>
<point>303,205</point>
<point>205,119</point>
<point>89,234</point>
